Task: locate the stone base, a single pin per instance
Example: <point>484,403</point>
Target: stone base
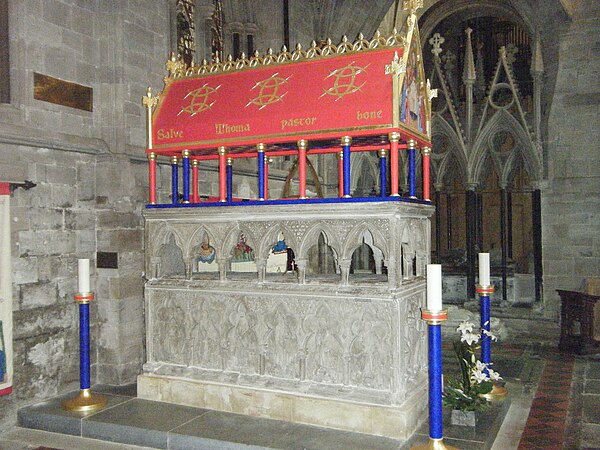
<point>398,422</point>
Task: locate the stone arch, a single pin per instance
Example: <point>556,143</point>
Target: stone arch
<point>195,239</point>
<point>232,236</point>
<point>467,9</point>
<point>311,238</point>
<point>355,239</point>
<point>163,236</point>
<point>270,236</point>
<point>502,121</point>
<point>441,127</point>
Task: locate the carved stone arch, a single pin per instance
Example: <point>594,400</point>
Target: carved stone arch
<point>195,240</point>
<point>232,237</point>
<point>162,236</point>
<point>355,239</point>
<point>363,163</point>
<point>440,126</point>
<point>467,9</point>
<point>502,121</point>
<point>270,237</point>
<point>311,238</point>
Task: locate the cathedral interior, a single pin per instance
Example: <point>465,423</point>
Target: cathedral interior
<point>515,172</point>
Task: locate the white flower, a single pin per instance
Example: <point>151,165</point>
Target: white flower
<point>465,327</point>
<point>492,336</point>
<point>469,338</point>
<point>480,366</point>
<point>478,376</point>
<point>495,376</point>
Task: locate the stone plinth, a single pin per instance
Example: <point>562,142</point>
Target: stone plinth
<point>329,348</point>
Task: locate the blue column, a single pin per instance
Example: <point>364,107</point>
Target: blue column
<point>435,382</point>
<point>412,181</point>
<point>346,141</point>
<point>186,176</point>
<point>383,173</point>
<point>260,159</point>
<point>229,173</point>
<point>486,342</point>
<point>174,180</point>
<point>84,345</point>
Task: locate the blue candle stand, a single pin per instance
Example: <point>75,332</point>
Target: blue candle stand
<point>85,401</point>
<point>434,321</point>
<point>498,392</point>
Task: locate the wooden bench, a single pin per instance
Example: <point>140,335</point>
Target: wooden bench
<point>577,322</point>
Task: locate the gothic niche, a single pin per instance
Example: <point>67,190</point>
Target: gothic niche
<point>281,258</point>
<point>366,258</point>
<point>322,260</point>
<point>242,256</point>
<point>204,256</point>
<point>171,259</point>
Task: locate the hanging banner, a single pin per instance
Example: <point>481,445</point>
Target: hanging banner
<point>6,367</point>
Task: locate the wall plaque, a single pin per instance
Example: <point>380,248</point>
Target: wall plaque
<point>60,92</point>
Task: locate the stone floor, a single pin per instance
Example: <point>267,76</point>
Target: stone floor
<point>554,403</point>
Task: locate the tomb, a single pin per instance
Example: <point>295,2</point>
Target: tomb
<point>300,309</point>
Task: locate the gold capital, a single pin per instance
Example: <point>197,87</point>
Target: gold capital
<point>152,156</point>
<point>222,150</point>
<point>149,100</point>
<point>229,161</point>
<point>412,143</point>
<point>346,140</point>
<point>426,151</point>
<point>260,147</point>
<point>185,153</point>
<point>302,144</point>
<point>394,136</point>
<point>382,153</point>
<point>174,159</point>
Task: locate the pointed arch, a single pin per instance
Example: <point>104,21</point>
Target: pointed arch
<point>311,238</point>
<point>270,237</point>
<point>363,163</point>
<point>355,239</point>
<point>455,151</point>
<point>502,121</point>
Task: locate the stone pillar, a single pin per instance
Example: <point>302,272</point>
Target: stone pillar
<point>261,267</point>
<point>345,269</point>
<point>301,264</point>
<point>222,263</point>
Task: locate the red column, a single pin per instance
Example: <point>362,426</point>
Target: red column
<point>152,178</point>
<point>302,144</point>
<point>394,138</point>
<point>426,156</point>
<point>195,193</point>
<point>341,173</point>
<point>222,174</point>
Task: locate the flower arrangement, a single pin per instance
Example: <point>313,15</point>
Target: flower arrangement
<point>465,393</point>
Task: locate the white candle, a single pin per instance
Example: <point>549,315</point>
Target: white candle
<point>434,287</point>
<point>83,275</point>
<point>484,269</point>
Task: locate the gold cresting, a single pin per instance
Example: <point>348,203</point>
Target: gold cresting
<point>177,68</point>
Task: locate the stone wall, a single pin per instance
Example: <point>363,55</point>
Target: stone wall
<point>571,201</point>
<point>89,189</point>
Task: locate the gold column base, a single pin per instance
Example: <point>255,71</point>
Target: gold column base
<point>496,394</point>
<point>85,401</point>
<point>434,444</point>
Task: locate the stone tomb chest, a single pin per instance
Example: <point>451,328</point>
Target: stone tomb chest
<point>333,338</point>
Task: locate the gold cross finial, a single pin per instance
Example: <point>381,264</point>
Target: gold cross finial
<point>149,100</point>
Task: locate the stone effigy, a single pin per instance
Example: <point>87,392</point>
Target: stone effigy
<point>300,309</point>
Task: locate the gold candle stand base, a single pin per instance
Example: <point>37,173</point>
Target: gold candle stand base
<point>85,401</point>
<point>434,444</point>
<point>497,393</point>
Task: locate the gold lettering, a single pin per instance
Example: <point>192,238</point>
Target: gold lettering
<point>367,115</point>
<point>169,134</point>
<point>297,122</point>
<point>226,128</point>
